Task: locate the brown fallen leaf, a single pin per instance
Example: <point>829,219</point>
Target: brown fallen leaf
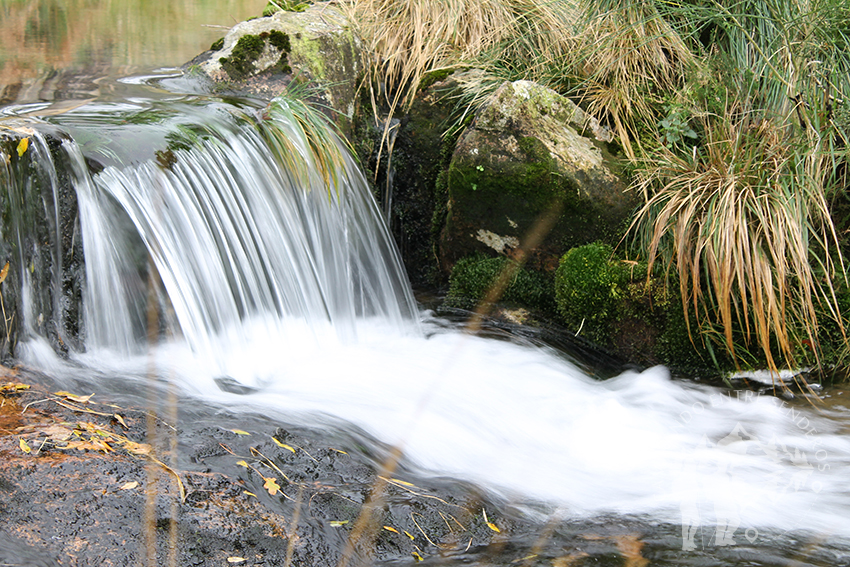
<point>73,397</point>
<point>4,272</point>
<point>137,448</point>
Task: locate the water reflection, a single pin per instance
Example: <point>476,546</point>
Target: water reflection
<point>63,49</point>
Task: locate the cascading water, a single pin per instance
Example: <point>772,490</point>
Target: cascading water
<point>278,274</point>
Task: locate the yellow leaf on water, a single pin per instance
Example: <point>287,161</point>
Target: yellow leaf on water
<point>22,146</point>
<point>417,557</point>
<point>340,451</point>
<point>243,464</point>
<point>4,272</point>
<point>129,485</point>
<point>271,485</point>
<point>391,529</point>
<point>283,445</point>
<point>240,432</point>
<point>338,523</point>
<point>24,446</point>
<point>249,493</point>
<point>235,559</point>
<point>407,533</point>
<point>121,420</point>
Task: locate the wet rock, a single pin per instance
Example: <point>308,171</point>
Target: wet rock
<point>40,239</point>
<point>96,490</point>
<point>529,153</point>
<point>316,47</point>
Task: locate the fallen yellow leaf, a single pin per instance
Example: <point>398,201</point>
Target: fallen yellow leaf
<point>129,485</point>
<point>24,446</point>
<point>283,445</point>
<point>338,523</point>
<point>4,272</point>
<point>391,529</point>
<point>240,432</point>
<point>407,533</point>
<point>249,493</point>
<point>235,559</point>
<point>243,464</point>
<point>490,524</point>
<point>121,420</point>
<point>22,146</point>
<point>13,387</point>
<point>271,485</point>
<point>417,557</point>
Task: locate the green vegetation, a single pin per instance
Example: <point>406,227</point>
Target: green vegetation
<point>472,278</point>
<point>734,119</point>
<point>249,48</point>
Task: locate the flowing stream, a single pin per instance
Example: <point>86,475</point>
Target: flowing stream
<point>278,290</point>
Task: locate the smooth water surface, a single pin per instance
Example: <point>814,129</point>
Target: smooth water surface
<point>57,50</point>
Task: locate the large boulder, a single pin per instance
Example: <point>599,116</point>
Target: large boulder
<point>317,47</point>
<point>530,151</point>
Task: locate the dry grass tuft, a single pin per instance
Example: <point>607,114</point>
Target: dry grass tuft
<point>741,219</point>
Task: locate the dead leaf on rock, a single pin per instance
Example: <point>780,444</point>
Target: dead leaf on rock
<point>129,485</point>
<point>271,485</point>
<point>235,559</point>
<point>74,398</point>
<point>13,388</point>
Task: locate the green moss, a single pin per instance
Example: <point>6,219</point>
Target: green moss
<point>434,77</point>
<point>279,40</point>
<point>473,277</point>
<point>217,44</point>
<point>248,49</point>
<point>286,6</point>
<point>588,286</point>
<point>240,64</point>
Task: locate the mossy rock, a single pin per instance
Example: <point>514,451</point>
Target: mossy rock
<point>641,319</point>
<point>524,158</point>
<point>472,279</point>
<point>318,46</point>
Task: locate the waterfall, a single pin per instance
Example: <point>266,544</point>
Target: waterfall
<point>248,216</point>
